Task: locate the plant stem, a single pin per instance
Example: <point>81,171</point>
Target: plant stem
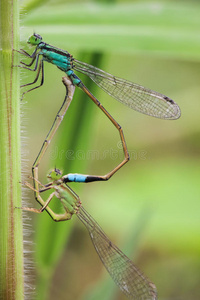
<point>11,237</point>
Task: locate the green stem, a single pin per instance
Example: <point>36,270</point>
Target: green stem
<point>11,238</point>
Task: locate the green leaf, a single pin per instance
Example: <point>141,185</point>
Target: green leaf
<point>160,29</point>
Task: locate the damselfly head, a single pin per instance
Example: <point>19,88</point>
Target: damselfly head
<point>54,174</point>
<point>35,39</point>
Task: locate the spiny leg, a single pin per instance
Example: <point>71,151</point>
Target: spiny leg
<point>45,205</point>
<point>39,198</point>
<point>28,65</point>
<point>42,202</point>
<point>34,69</point>
<point>23,52</point>
<point>70,88</point>
<point>39,183</point>
<point>126,154</point>
<point>34,56</point>
<point>40,69</point>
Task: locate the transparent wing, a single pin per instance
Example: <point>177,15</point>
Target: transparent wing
<point>126,275</point>
<point>131,94</point>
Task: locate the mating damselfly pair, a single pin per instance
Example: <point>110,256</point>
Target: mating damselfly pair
<point>128,277</point>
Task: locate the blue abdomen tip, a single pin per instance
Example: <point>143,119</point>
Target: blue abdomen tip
<point>76,177</point>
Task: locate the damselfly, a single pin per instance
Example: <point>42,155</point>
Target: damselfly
<point>133,95</point>
<point>132,282</point>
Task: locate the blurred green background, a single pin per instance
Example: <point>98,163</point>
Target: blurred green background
<point>150,208</point>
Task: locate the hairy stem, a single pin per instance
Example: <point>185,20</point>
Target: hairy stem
<point>11,237</point>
